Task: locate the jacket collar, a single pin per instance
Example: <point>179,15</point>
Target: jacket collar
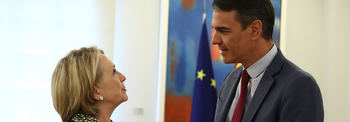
<point>264,86</point>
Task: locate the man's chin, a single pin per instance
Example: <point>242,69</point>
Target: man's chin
<point>227,61</point>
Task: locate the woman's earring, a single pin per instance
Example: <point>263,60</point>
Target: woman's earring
<point>101,97</point>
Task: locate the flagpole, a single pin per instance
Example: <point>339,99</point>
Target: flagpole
<point>204,91</point>
<point>205,9</point>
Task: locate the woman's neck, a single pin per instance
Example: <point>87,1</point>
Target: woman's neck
<point>104,117</point>
<point>104,113</point>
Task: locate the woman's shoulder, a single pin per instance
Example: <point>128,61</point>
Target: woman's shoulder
<point>82,117</point>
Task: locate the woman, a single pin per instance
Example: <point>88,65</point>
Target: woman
<point>86,86</point>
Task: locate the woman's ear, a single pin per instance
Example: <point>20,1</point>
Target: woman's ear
<point>96,93</point>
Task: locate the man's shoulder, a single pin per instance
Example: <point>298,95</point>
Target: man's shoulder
<point>284,68</point>
<point>293,71</point>
<point>292,75</point>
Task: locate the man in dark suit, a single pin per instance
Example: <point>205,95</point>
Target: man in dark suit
<point>268,87</point>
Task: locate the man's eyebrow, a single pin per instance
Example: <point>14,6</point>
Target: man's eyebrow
<point>222,28</point>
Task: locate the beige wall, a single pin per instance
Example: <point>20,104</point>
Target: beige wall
<point>316,40</point>
<point>136,53</point>
<point>105,28</point>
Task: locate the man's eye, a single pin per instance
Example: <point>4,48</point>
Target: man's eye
<point>223,31</point>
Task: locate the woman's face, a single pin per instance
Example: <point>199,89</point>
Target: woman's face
<point>111,85</point>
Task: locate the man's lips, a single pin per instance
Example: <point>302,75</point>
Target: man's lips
<point>223,49</point>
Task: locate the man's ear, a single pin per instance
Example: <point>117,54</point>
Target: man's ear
<point>256,29</point>
<point>96,93</point>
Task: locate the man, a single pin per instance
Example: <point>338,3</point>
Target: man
<point>268,87</point>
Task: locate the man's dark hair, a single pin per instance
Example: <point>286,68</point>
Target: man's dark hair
<point>250,10</point>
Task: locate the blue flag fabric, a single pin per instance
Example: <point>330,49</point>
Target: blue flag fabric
<point>204,94</point>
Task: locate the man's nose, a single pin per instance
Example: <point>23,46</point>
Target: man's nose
<point>216,40</point>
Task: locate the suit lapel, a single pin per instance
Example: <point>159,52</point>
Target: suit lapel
<point>264,86</point>
<point>232,82</point>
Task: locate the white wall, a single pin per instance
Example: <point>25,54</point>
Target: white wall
<point>316,40</point>
<point>34,35</point>
<point>137,28</point>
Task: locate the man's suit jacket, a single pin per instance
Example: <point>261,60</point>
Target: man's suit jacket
<point>285,93</point>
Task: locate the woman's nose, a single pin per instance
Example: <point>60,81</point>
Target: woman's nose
<point>123,78</point>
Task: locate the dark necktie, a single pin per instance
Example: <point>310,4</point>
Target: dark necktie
<point>237,115</point>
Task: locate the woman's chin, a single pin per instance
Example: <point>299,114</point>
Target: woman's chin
<point>125,98</point>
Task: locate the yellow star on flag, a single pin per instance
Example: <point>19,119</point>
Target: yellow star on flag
<point>201,74</point>
<point>213,83</point>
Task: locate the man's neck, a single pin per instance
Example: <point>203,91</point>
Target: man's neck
<point>262,48</point>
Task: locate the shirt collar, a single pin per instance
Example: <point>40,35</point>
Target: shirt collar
<point>259,67</point>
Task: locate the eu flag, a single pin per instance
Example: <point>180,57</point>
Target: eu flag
<point>204,94</point>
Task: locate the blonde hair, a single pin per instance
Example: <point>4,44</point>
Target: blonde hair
<point>73,82</point>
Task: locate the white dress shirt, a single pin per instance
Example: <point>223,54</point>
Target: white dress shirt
<point>255,71</point>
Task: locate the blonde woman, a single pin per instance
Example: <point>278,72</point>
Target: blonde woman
<point>87,87</point>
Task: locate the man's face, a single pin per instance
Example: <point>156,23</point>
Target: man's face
<point>235,43</point>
